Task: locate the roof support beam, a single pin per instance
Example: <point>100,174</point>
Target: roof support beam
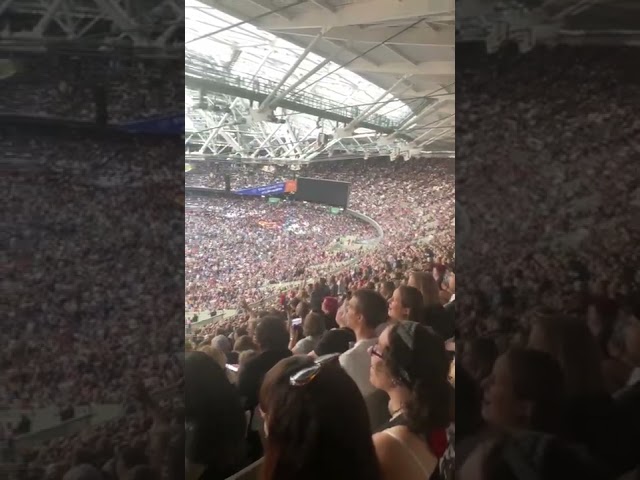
<point>266,140</point>
<point>47,17</point>
<point>394,50</point>
<point>413,36</point>
<point>300,81</point>
<point>323,5</point>
<point>269,100</point>
<point>264,5</point>
<point>411,121</point>
<point>441,68</point>
<point>434,138</point>
<point>375,106</point>
<point>297,146</point>
<point>360,13</point>
<point>436,126</point>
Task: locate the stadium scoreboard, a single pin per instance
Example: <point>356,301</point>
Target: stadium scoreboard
<point>325,192</point>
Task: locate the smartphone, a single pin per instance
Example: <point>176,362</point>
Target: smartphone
<point>296,321</point>
<point>232,368</point>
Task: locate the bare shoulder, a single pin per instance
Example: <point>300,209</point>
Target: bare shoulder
<point>400,437</point>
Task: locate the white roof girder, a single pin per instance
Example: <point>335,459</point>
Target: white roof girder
<point>76,19</point>
<point>432,69</point>
<point>376,11</point>
<point>392,39</point>
<point>417,37</point>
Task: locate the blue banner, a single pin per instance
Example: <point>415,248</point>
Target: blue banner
<point>166,125</point>
<point>274,189</point>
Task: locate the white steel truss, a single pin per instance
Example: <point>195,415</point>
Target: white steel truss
<point>290,92</point>
<point>220,126</point>
<point>151,26</point>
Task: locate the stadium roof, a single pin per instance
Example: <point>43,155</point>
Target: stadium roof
<point>575,21</point>
<point>375,76</point>
<point>154,28</point>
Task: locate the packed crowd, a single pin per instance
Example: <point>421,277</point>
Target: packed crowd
<point>62,254</point>
<point>548,319</point>
<point>421,191</point>
<point>359,372</point>
<point>211,175</point>
<point>359,358</point>
<point>235,247</point>
<point>133,89</point>
<point>65,342</point>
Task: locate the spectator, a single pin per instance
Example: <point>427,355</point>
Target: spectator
<point>435,315</point>
<point>366,312</point>
<point>272,340</point>
<point>215,424</point>
<point>386,289</point>
<point>406,304</point>
<point>338,340</point>
<point>314,412</point>
<point>313,328</point>
<point>525,390</point>
<point>243,343</point>
<point>330,310</point>
<point>214,353</point>
<point>411,365</point>
<point>245,357</point>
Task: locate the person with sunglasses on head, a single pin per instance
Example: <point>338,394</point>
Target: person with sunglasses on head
<point>409,362</point>
<point>315,423</point>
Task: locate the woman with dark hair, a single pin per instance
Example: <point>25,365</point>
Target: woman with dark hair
<point>524,391</point>
<point>411,365</point>
<point>215,424</point>
<point>571,343</point>
<point>406,304</point>
<point>315,423</point>
<point>435,315</point>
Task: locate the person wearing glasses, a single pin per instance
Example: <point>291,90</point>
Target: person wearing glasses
<point>315,423</point>
<point>409,362</point>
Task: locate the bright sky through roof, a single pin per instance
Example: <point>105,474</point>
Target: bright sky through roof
<point>343,86</point>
